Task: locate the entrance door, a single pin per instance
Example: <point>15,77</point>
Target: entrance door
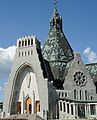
<point>37,106</point>
<point>81,110</point>
<point>28,105</point>
<point>19,107</point>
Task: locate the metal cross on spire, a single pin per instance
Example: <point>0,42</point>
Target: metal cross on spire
<point>55,4</point>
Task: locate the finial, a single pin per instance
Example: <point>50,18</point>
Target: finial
<point>55,4</point>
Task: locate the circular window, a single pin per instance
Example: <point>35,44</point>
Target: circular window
<point>80,78</point>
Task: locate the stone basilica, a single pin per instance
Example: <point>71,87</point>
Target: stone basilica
<point>52,82</point>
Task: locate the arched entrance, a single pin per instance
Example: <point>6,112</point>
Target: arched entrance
<point>28,105</point>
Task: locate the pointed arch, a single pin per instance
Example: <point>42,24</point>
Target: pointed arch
<point>15,92</point>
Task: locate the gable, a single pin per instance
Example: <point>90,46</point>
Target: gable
<point>78,76</point>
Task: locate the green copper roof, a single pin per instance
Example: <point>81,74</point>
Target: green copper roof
<point>92,68</point>
<point>56,49</point>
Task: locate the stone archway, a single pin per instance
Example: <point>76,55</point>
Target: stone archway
<point>28,105</point>
<point>21,76</point>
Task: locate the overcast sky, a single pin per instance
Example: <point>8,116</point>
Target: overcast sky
<point>31,17</point>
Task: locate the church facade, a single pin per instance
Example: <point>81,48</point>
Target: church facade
<point>52,82</point>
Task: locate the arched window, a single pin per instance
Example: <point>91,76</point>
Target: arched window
<point>25,42</point>
<point>74,93</point>
<point>31,41</point>
<point>62,94</point>
<point>28,42</point>
<point>22,43</point>
<point>19,43</point>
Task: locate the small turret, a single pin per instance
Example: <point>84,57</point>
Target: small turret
<point>56,20</point>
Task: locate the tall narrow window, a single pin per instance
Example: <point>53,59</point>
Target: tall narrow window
<point>22,43</point>
<point>86,95</point>
<point>19,43</point>
<point>71,109</point>
<point>64,106</point>
<point>25,53</point>
<point>28,53</point>
<point>31,41</point>
<point>60,106</point>
<point>65,94</point>
<point>28,42</point>
<point>25,42</point>
<point>19,54</point>
<point>67,108</point>
<point>62,94</point>
<point>22,54</point>
<point>80,94</point>
<point>75,94</point>
<point>31,52</point>
<point>91,97</point>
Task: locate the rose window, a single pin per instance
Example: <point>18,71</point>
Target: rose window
<point>80,79</point>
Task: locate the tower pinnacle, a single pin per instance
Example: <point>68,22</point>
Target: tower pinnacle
<point>55,4</point>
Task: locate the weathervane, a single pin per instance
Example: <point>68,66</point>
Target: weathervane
<point>55,4</point>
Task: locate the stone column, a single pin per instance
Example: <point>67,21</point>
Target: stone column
<point>69,109</point>
<point>74,109</point>
<point>89,111</point>
<point>62,107</point>
<point>96,110</point>
<point>66,108</point>
<point>56,110</point>
<point>33,102</point>
<point>85,110</point>
<point>59,107</point>
<point>34,41</point>
<point>22,103</point>
<point>30,41</point>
